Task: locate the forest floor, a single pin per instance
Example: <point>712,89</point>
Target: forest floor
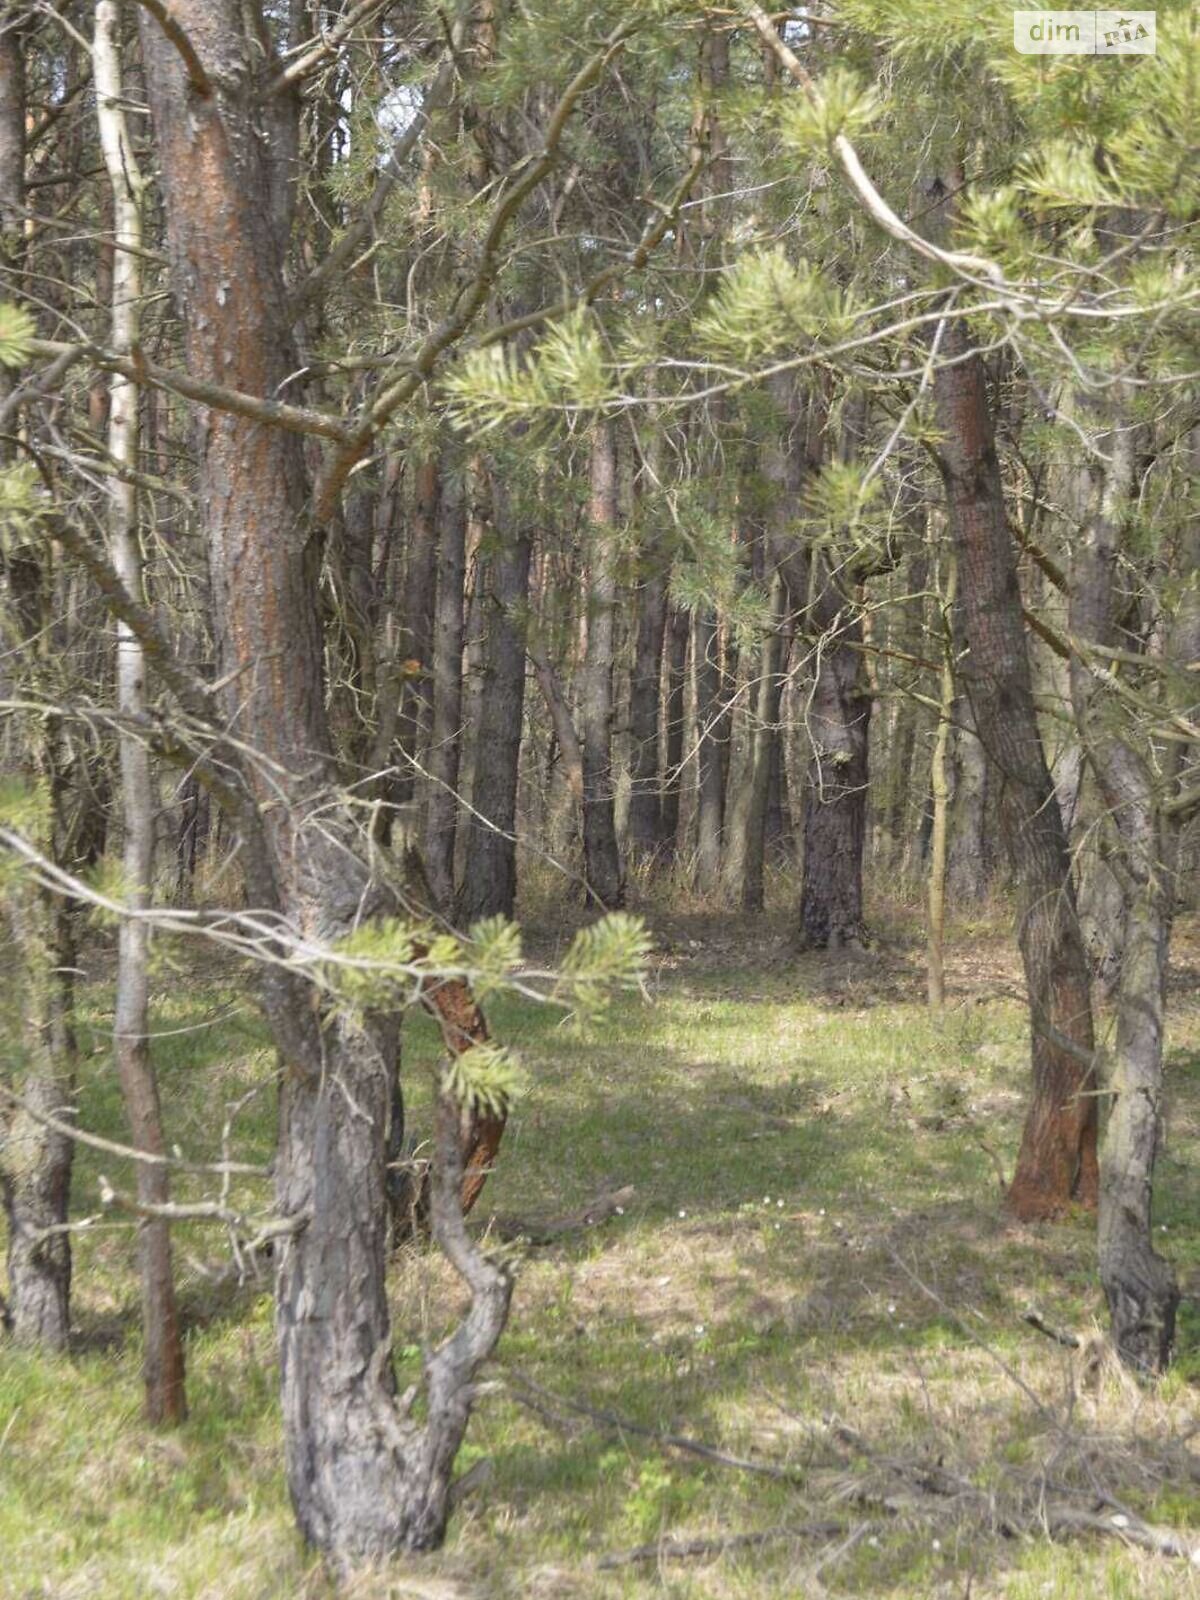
<point>813,1273</point>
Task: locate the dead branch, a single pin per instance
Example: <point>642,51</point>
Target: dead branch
<point>149,1158</point>
<point>1130,1530</point>
<point>609,1204</point>
<point>1062,1336</point>
<point>522,1388</point>
<point>690,1549</point>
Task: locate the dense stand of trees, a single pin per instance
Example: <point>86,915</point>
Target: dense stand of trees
<point>444,453</point>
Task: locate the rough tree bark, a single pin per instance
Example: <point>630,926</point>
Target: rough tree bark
<point>1136,775</point>
<point>569,748</point>
<point>746,812</point>
<point>704,242</point>
<point>710,797</point>
<point>674,715</point>
<point>162,1359</point>
<point>441,815</point>
<point>365,1478</point>
<point>645,806</point>
<point>417,638</point>
<point>939,784</point>
<point>601,856</point>
<point>967,868</point>
<point>836,725</point>
<point>35,1162</point>
<point>1057,1161</point>
<point>489,886</point>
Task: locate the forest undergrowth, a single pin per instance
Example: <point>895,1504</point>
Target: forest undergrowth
<point>796,1360</point>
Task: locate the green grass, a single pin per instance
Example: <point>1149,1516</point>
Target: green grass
<point>806,1144</point>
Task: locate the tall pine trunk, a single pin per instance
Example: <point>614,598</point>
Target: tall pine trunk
<point>1136,773</point>
<point>745,834</point>
<point>710,723</point>
<point>835,732</point>
<point>1057,1160</point>
<point>674,717</point>
<point>967,867</point>
<point>35,1161</point>
<point>601,856</point>
<point>644,827</point>
<point>417,639</point>
<point>441,815</point>
<point>366,1478</point>
<point>489,886</point>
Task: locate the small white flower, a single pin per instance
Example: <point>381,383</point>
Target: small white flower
<point>682,1213</point>
<point>891,1308</point>
<point>937,1544</point>
<point>821,1213</point>
<point>777,1227</point>
<point>766,1199</point>
<point>873,1542</point>
<point>779,1203</point>
<point>1119,1521</point>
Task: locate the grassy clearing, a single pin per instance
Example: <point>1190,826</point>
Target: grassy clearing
<point>806,1144</point>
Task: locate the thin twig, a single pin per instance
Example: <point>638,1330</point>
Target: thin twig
<point>671,1441</point>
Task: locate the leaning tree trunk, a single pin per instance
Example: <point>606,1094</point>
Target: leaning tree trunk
<point>601,856</point>
<point>489,886</point>
<point>836,725</point>
<point>365,1478</point>
<point>1057,1160</point>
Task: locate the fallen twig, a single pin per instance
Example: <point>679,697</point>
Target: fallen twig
<point>690,1549</point>
<point>1062,1336</point>
<point>542,1400</point>
<point>1162,1541</point>
<point>602,1209</point>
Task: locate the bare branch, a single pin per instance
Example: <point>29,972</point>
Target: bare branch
<point>474,293</point>
<point>198,79</point>
<point>968,266</point>
<point>126,1152</point>
<point>313,52</point>
<point>276,413</point>
<point>348,245</point>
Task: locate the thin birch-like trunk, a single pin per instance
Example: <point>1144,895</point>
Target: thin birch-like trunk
<point>940,788</point>
<point>162,1361</point>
